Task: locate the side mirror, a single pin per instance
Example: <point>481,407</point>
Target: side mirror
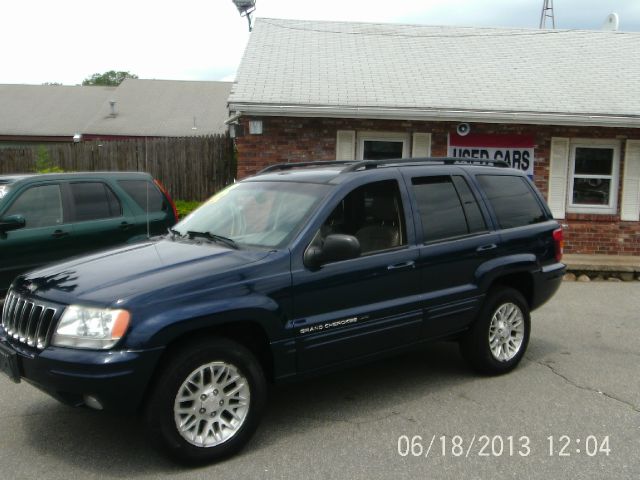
<point>336,247</point>
<point>12,222</point>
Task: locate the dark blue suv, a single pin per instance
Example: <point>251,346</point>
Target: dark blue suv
<point>300,269</point>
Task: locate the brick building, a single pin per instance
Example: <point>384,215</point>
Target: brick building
<point>562,105</point>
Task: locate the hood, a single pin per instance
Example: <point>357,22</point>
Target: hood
<point>115,275</point>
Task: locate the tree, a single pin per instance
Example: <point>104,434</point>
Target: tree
<point>109,79</point>
<point>44,163</point>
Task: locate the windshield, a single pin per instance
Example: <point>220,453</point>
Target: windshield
<point>264,214</point>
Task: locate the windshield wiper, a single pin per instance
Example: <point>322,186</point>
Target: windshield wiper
<point>213,237</point>
<point>174,233</point>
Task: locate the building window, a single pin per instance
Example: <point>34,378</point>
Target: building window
<point>593,182</point>
<point>382,145</point>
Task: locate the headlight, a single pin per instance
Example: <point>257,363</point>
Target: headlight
<point>95,328</point>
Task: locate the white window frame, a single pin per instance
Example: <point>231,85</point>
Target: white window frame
<point>612,207</point>
<point>362,137</point>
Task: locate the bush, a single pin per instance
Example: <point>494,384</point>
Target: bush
<point>185,207</point>
<point>43,162</point>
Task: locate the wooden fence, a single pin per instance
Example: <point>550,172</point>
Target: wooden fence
<point>192,168</point>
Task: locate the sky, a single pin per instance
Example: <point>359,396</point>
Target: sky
<point>66,41</point>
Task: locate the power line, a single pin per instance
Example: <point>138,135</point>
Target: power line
<point>407,35</point>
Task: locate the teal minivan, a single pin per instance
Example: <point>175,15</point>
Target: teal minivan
<point>45,218</point>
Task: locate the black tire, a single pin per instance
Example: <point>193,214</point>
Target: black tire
<point>159,412</point>
<point>475,344</point>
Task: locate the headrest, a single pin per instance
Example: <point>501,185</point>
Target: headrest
<point>383,208</point>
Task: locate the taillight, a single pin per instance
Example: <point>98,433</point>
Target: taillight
<point>558,240</point>
<point>168,197</point>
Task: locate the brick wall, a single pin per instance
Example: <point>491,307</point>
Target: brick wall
<point>290,139</point>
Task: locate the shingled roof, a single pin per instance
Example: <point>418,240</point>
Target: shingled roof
<point>49,110</point>
<point>339,69</point>
<point>163,108</point>
<point>142,108</point>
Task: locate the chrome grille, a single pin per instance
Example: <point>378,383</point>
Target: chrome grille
<point>27,321</point>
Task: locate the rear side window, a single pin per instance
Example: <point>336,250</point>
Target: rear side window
<point>94,201</point>
<point>138,191</point>
<point>447,207</point>
<point>40,206</point>
<point>512,199</point>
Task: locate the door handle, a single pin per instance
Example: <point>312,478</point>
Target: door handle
<point>59,234</point>
<point>398,266</point>
<point>485,248</point>
<point>125,226</point>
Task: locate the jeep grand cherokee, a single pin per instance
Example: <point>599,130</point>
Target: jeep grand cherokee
<point>301,269</point>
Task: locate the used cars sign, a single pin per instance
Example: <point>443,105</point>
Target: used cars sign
<point>516,150</point>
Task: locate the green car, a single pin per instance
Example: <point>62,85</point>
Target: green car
<point>46,218</point>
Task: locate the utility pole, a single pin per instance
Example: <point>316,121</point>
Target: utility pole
<point>547,13</point>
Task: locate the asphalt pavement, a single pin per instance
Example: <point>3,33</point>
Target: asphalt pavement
<point>571,410</point>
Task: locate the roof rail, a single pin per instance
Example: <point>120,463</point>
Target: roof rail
<point>355,165</point>
<point>369,164</point>
<point>287,166</point>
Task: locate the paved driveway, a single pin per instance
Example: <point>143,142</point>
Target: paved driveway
<point>579,383</point>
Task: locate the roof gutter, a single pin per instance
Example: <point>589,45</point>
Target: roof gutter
<point>233,118</point>
<point>453,115</point>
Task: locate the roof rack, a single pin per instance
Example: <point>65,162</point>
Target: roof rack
<point>356,165</point>
<point>287,166</point>
<point>369,164</point>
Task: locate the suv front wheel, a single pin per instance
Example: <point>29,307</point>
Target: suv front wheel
<point>498,338</point>
<point>207,402</point>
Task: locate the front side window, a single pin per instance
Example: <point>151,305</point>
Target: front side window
<point>373,214</point>
<point>593,181</point>
<point>263,214</point>
<point>512,200</point>
<point>94,201</point>
<point>40,206</point>
<point>447,207</point>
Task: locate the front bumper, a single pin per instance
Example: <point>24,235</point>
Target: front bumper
<point>117,379</point>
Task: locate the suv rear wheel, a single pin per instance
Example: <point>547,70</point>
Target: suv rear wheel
<point>498,339</point>
<point>207,402</point>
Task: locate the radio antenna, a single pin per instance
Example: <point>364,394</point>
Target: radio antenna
<point>146,169</point>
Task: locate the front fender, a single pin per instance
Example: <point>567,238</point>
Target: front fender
<point>162,328</point>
